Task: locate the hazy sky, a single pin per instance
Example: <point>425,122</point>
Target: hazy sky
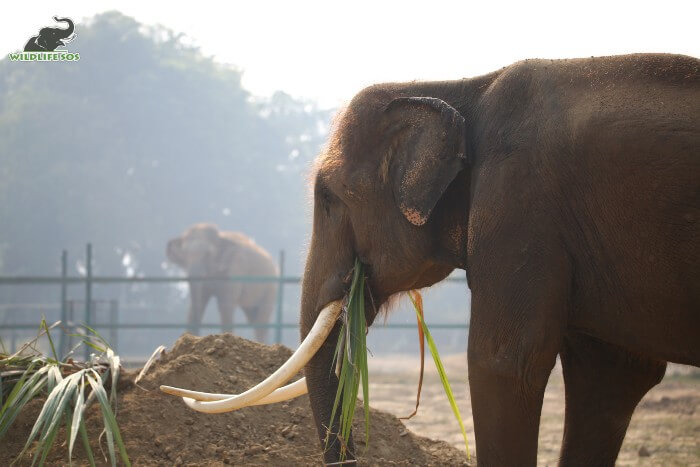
<point>329,50</point>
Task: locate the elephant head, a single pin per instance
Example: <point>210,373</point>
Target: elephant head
<point>201,251</point>
<point>391,188</point>
<point>51,38</point>
<point>384,192</point>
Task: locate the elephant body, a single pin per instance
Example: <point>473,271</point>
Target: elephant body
<point>569,191</point>
<point>49,39</point>
<point>204,251</point>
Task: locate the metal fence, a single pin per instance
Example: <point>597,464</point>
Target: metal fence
<point>71,308</point>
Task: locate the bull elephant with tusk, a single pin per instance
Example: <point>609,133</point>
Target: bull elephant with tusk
<point>49,39</point>
<point>205,251</point>
<point>569,192</point>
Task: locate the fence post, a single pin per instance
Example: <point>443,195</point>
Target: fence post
<point>113,329</point>
<point>64,309</point>
<point>71,319</point>
<point>88,293</point>
<point>280,288</point>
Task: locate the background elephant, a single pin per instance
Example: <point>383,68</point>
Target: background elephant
<point>203,250</point>
<point>569,191</point>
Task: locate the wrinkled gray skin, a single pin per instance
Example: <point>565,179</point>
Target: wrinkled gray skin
<point>51,38</point>
<point>569,191</point>
<point>203,250</point>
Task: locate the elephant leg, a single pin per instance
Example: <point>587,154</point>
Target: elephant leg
<point>226,309</point>
<point>603,385</point>
<point>261,312</point>
<point>516,331</point>
<point>258,315</point>
<point>198,303</point>
<point>252,313</point>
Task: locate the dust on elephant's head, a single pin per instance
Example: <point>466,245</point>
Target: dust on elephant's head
<point>200,250</point>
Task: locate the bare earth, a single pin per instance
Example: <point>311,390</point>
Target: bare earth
<point>666,424</point>
<point>160,430</point>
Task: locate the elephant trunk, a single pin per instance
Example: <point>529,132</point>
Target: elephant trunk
<point>69,30</point>
<point>328,265</point>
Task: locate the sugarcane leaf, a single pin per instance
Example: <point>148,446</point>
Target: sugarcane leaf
<point>54,376</point>
<point>101,396</point>
<point>111,426</point>
<point>46,445</point>
<point>52,418</point>
<point>351,352</point>
<point>77,416</point>
<point>46,411</point>
<point>86,443</point>
<point>441,371</point>
<point>156,353</point>
<point>30,388</point>
<point>98,336</point>
<point>421,343</point>
<point>70,387</point>
<point>114,371</point>
<point>16,389</point>
<point>48,335</point>
<point>30,343</point>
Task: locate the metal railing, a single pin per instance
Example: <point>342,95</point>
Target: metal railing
<point>68,306</point>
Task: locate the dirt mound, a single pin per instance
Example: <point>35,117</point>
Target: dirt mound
<point>160,430</point>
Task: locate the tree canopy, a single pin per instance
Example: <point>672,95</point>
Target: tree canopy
<point>136,141</point>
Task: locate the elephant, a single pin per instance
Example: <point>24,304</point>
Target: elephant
<point>51,38</point>
<point>205,251</point>
<point>569,193</point>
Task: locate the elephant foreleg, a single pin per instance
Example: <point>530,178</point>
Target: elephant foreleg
<point>198,303</point>
<point>261,314</point>
<point>515,334</point>
<point>226,310</point>
<point>603,384</point>
<point>507,389</point>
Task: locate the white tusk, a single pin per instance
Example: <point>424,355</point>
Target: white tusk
<point>308,348</point>
<point>285,393</point>
<point>290,391</point>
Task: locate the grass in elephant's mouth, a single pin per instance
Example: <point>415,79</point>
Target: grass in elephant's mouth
<point>351,352</point>
<point>351,357</point>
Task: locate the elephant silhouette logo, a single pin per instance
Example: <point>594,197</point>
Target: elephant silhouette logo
<point>49,38</point>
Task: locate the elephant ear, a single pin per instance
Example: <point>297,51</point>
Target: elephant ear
<point>174,252</point>
<point>428,138</point>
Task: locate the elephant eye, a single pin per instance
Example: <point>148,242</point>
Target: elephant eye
<point>324,196</point>
<point>326,200</point>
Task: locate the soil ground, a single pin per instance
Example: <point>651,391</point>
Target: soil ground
<point>664,431</point>
<point>161,430</point>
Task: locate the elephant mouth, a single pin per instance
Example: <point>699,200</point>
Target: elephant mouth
<point>271,389</point>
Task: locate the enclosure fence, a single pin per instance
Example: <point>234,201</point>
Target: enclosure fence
<point>70,309</point>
